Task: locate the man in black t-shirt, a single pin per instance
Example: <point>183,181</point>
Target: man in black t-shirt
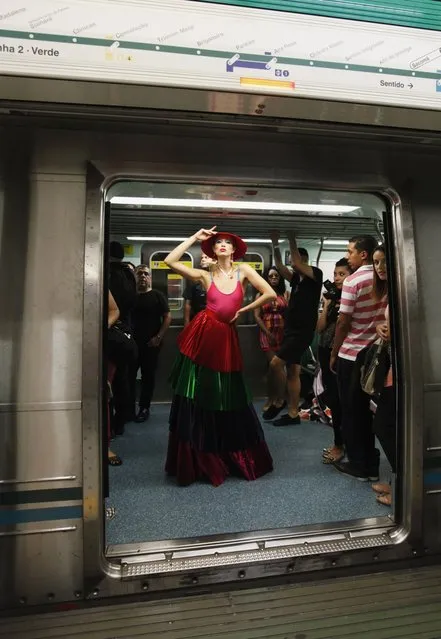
<point>300,322</point>
<point>151,319</point>
<point>195,295</point>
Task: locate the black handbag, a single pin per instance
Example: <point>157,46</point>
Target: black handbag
<point>121,346</point>
<point>374,369</point>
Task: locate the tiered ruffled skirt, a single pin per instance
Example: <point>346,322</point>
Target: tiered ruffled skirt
<point>214,429</point>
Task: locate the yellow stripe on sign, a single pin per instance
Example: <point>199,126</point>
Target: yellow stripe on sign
<point>128,249</point>
<point>174,276</point>
<point>257,266</point>
<point>260,82</point>
<point>162,265</point>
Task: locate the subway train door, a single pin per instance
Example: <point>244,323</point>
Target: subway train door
<point>105,391</point>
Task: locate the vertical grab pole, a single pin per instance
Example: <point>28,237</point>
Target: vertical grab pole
<point>319,254</point>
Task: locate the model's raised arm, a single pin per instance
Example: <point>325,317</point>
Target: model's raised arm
<point>173,259</point>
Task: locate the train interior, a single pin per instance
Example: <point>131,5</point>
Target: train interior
<point>144,505</point>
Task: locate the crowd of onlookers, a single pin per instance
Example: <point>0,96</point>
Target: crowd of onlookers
<point>351,318</point>
<point>354,355</point>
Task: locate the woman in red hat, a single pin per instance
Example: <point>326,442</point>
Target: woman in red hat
<point>214,429</point>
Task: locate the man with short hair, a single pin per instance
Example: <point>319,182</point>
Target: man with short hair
<point>355,331</point>
<point>151,320</point>
<point>300,322</point>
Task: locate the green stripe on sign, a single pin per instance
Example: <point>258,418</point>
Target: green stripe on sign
<point>420,14</point>
<point>225,55</point>
<point>15,498</point>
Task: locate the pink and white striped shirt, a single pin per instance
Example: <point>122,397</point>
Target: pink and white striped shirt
<point>357,300</point>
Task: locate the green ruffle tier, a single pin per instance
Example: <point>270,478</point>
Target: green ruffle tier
<point>209,389</point>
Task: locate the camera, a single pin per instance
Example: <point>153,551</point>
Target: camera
<point>332,292</point>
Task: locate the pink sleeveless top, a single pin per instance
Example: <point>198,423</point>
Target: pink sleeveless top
<point>224,305</point>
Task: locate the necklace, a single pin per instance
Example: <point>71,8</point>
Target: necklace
<point>229,275</point>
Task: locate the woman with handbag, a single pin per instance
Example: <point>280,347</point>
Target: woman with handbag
<point>385,426</point>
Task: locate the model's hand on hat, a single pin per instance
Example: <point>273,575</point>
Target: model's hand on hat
<point>204,234</point>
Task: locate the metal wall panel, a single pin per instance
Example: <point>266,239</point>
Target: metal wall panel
<point>42,567</point>
<point>41,285</point>
<point>427,233</point>
<point>40,449</point>
<point>50,362</point>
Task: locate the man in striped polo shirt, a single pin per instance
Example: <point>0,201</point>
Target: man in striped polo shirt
<point>356,330</point>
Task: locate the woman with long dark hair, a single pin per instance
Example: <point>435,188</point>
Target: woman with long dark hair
<point>385,426</point>
<point>214,429</point>
<point>271,321</point>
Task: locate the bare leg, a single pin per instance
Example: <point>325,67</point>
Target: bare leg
<point>269,395</point>
<point>277,375</point>
<point>274,396</point>
<point>294,386</point>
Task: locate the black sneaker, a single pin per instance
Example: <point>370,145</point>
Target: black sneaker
<point>287,420</point>
<point>272,412</point>
<point>350,469</point>
<point>373,474</point>
<point>374,466</point>
<point>142,416</point>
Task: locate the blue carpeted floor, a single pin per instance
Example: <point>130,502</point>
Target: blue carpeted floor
<point>301,490</point>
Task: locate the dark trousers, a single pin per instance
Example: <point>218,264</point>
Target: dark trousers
<point>356,423</point>
<point>122,404</point>
<point>123,355</point>
<point>331,396</point>
<point>148,363</point>
<point>385,425</point>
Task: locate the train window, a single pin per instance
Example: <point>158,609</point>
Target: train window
<point>170,284</point>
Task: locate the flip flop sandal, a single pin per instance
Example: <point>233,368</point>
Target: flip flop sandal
<point>115,460</point>
<point>329,457</point>
<point>386,500</point>
<point>332,459</point>
<point>381,489</point>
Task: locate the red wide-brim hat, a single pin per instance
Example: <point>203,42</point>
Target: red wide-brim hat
<point>239,250</point>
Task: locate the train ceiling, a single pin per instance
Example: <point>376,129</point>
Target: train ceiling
<point>144,220</point>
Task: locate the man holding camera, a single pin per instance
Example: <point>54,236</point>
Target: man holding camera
<point>300,322</point>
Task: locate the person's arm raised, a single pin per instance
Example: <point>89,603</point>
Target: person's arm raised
<point>296,258</point>
<point>173,258</point>
<point>284,271</point>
